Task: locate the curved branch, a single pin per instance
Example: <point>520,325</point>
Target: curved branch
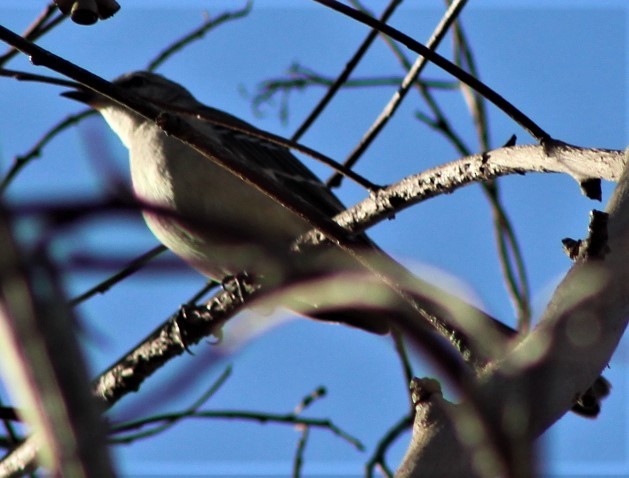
<point>579,163</point>
<point>539,378</point>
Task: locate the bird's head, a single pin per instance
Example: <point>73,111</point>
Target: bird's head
<point>143,85</point>
<point>155,88</point>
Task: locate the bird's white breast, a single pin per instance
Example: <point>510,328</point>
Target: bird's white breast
<point>167,173</point>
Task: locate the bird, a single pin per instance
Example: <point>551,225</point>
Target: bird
<point>168,173</point>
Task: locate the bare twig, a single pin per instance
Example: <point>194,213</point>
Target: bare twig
<point>344,75</point>
<point>298,462</point>
<point>414,71</point>
<point>299,77</point>
<point>20,161</point>
<point>510,254</point>
<point>36,29</point>
<point>197,34</point>
<point>378,458</point>
<point>518,116</point>
<point>309,399</point>
<point>130,269</point>
<point>161,423</point>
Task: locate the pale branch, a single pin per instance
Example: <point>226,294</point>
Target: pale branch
<point>577,162</point>
<point>536,382</point>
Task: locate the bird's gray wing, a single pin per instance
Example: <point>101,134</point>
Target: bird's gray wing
<point>274,160</point>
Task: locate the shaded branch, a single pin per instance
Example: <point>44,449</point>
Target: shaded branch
<point>34,326</point>
<point>41,25</point>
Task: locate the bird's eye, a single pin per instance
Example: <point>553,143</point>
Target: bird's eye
<point>133,82</point>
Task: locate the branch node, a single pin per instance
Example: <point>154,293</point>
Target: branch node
<point>595,246</point>
<point>422,389</point>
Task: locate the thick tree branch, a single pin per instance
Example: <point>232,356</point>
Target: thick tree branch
<point>579,163</point>
<point>537,382</point>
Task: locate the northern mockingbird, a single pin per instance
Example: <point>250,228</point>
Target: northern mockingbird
<point>168,173</point>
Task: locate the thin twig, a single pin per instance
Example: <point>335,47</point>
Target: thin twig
<point>518,116</point>
<point>510,253</point>
<point>27,76</point>
<point>396,100</point>
<point>317,394</point>
<point>197,34</point>
<point>298,462</point>
<point>299,77</point>
<point>344,75</point>
<point>20,161</point>
<point>378,458</point>
<point>167,423</point>
<point>36,29</point>
<point>129,270</point>
<point>261,417</point>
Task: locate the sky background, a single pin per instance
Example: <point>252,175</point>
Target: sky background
<point>565,66</point>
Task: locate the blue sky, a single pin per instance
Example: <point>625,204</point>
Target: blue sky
<point>565,66</point>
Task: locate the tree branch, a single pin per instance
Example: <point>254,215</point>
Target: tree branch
<point>577,162</point>
<point>538,380</point>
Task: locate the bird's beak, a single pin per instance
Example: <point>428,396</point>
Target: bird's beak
<point>84,96</point>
